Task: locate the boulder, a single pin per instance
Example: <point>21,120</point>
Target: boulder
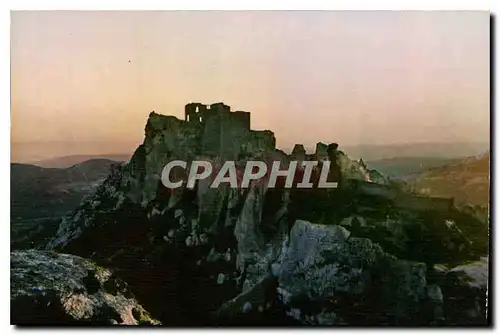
<point>330,278</point>
<point>58,289</point>
<point>465,291</point>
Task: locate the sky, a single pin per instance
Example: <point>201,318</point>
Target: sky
<point>85,82</point>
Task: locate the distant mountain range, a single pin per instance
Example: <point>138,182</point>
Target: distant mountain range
<point>407,167</point>
<point>436,150</point>
<point>68,161</point>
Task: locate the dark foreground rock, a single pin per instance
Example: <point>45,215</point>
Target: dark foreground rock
<point>57,289</point>
<point>328,277</point>
<point>325,277</point>
<point>465,291</point>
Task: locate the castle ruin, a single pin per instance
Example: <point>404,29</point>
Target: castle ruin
<point>215,131</point>
<point>207,130</point>
<point>227,134</point>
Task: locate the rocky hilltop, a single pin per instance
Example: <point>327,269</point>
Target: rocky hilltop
<point>366,253</point>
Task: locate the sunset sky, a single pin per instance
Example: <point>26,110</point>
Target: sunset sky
<point>85,82</point>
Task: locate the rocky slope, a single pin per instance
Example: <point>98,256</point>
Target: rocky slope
<point>57,289</point>
<point>356,255</point>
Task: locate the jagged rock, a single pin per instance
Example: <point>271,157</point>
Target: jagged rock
<point>474,275</point>
<point>325,277</point>
<point>435,302</point>
<point>432,238</point>
<point>465,293</point>
<point>258,247</point>
<point>181,243</point>
<point>257,305</point>
<point>298,152</point>
<point>204,233</point>
<point>351,169</point>
<point>332,147</point>
<point>377,178</point>
<point>324,270</point>
<point>51,288</point>
<point>321,151</point>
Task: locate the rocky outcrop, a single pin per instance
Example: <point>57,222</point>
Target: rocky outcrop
<point>298,152</point>
<point>465,290</point>
<point>351,169</point>
<point>249,256</point>
<point>57,289</point>
<point>321,151</point>
<point>327,277</point>
<point>323,276</point>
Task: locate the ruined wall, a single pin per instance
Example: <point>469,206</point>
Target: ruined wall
<point>241,119</point>
<point>234,135</point>
<point>224,131</point>
<point>193,112</point>
<point>321,152</point>
<point>259,141</point>
<point>227,134</point>
<point>211,134</point>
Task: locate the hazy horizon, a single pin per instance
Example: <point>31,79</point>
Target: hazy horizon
<point>354,78</point>
<point>36,152</point>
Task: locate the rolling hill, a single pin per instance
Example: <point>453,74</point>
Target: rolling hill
<point>405,167</point>
<point>68,161</point>
<point>41,196</point>
<point>467,181</point>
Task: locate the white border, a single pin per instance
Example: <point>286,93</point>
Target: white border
<point>255,5</point>
<point>492,5</point>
